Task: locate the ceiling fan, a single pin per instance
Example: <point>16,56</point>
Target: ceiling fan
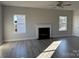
<point>61,4</point>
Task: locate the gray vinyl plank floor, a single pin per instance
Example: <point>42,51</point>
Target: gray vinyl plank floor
<point>69,48</point>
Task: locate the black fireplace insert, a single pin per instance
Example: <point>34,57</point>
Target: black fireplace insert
<point>44,33</point>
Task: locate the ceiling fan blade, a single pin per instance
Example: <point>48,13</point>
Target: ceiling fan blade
<point>52,5</point>
<point>67,4</point>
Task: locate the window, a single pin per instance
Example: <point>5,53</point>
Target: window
<point>62,23</point>
<point>19,23</point>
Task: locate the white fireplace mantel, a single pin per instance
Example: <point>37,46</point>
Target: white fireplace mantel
<point>42,26</point>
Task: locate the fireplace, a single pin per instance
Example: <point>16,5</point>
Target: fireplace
<point>44,33</point>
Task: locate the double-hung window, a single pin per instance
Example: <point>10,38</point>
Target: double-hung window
<point>62,23</point>
<point>19,23</point>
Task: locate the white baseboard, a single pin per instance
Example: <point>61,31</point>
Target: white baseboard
<point>75,35</point>
<point>60,35</point>
<point>32,38</point>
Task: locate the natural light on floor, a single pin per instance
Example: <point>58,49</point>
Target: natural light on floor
<point>48,52</point>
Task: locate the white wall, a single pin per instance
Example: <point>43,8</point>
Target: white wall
<point>34,16</point>
<point>1,40</point>
<point>76,23</point>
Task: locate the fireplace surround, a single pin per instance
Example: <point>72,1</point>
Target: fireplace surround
<point>46,31</point>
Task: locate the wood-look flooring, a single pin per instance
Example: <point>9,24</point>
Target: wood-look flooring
<point>69,48</point>
<point>24,49</point>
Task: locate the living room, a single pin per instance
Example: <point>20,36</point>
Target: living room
<point>29,28</point>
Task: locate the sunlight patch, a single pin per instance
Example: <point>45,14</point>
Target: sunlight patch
<point>53,46</point>
<point>49,51</point>
<point>46,54</point>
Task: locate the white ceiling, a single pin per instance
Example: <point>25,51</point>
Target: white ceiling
<point>40,4</point>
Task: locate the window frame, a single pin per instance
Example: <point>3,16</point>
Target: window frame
<point>66,24</point>
<point>24,24</point>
